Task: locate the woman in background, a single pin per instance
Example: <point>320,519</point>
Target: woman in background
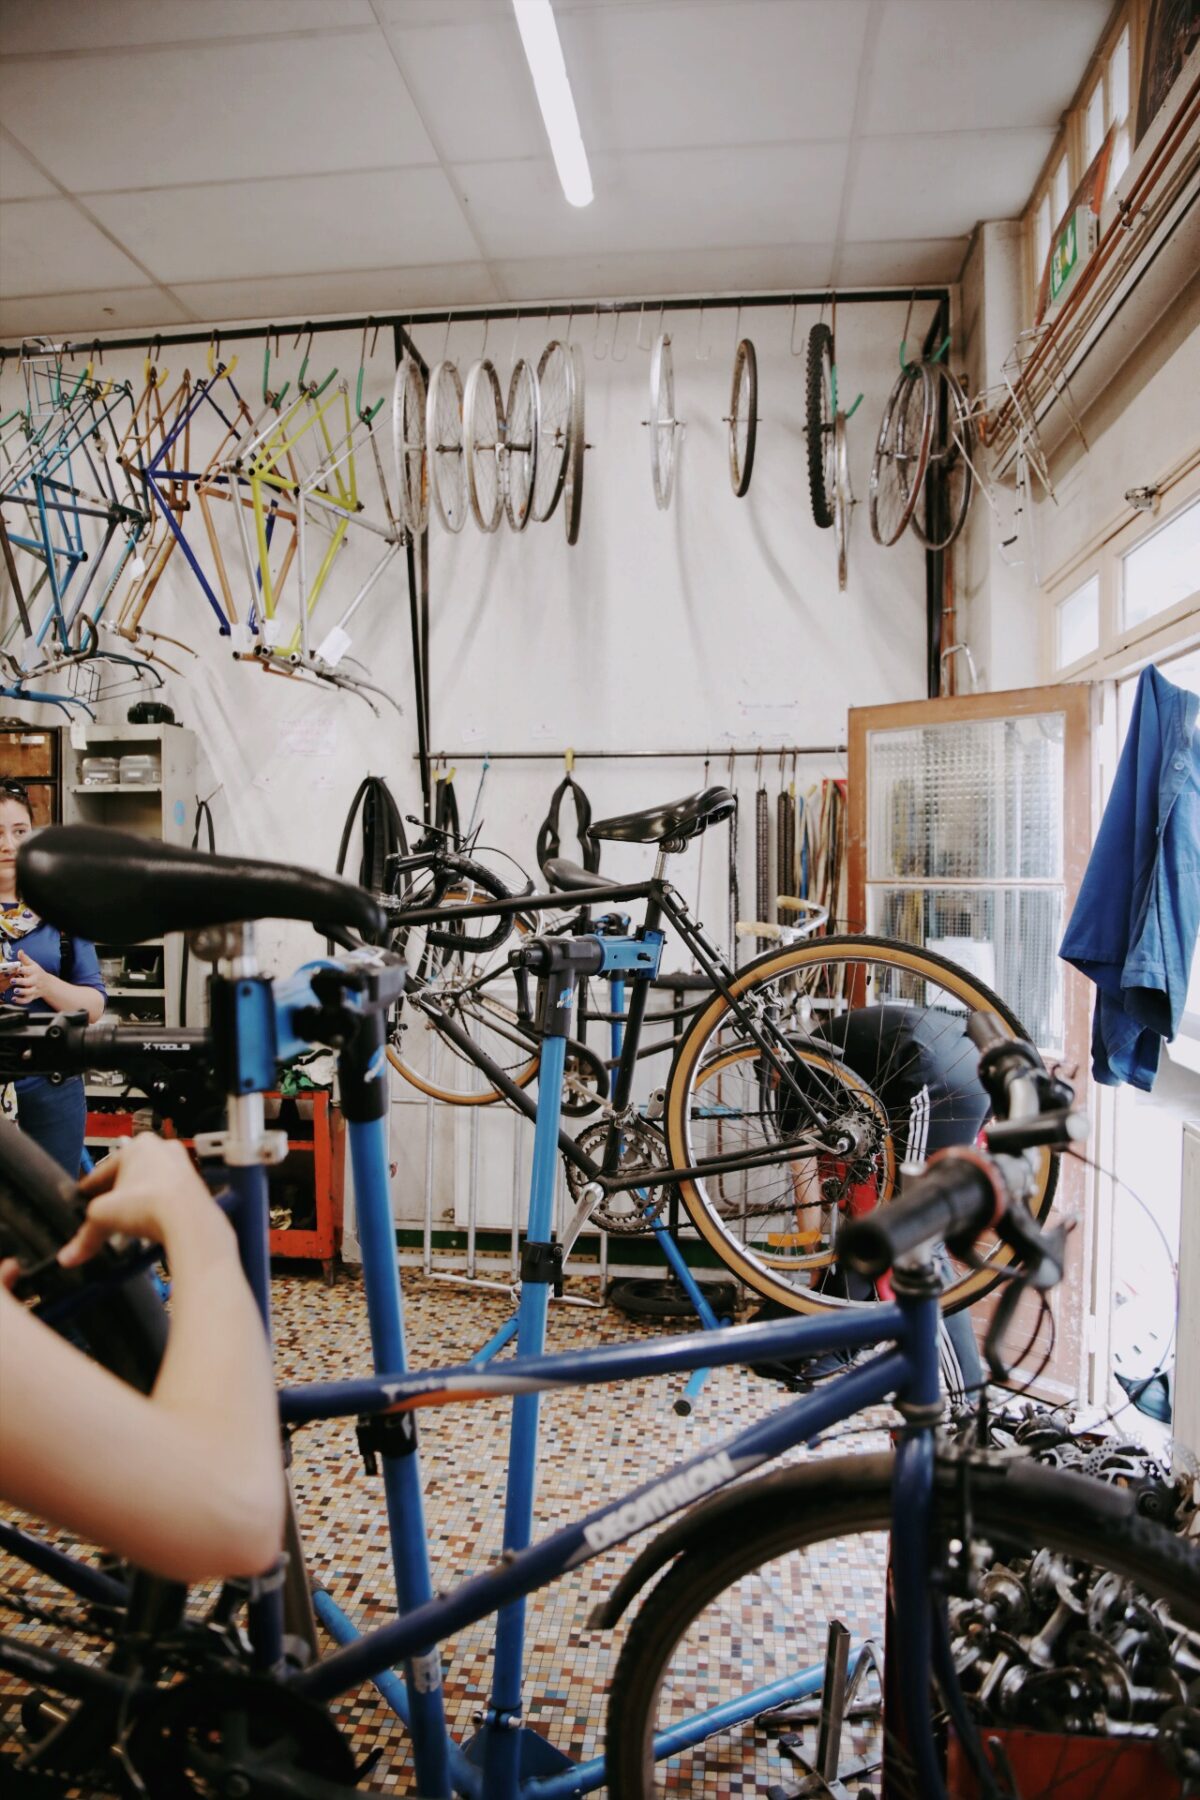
<point>43,970</point>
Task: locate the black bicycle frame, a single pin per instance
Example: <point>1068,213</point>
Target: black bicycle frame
<point>662,900</point>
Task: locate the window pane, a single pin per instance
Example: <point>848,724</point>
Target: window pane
<point>1093,130</point>
<point>1079,623</point>
<point>1163,569</point>
<point>1119,161</point>
<point>1058,192</point>
<point>1041,236</point>
<point>1118,79</point>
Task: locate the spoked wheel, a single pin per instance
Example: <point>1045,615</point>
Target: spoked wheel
<point>662,421</point>
<point>444,435</point>
<point>818,423</point>
<point>843,500</point>
<point>556,387</point>
<point>743,417</point>
<point>576,446</point>
<point>474,989</point>
<point>954,462</point>
<point>483,433</point>
<point>869,1038</point>
<point>522,431</point>
<point>409,401</point>
<point>901,453</point>
<point>740,1622</point>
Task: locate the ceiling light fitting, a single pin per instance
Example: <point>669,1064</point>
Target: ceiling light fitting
<point>543,53</point>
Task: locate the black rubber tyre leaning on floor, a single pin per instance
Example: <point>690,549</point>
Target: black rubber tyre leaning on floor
<point>721,1624</point>
<point>818,419</point>
<point>759,1235</point>
<point>126,1328</point>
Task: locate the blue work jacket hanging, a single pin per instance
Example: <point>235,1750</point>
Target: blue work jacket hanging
<point>1133,930</point>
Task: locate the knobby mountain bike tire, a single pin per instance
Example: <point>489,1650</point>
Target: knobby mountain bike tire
<point>743,417</point>
<point>576,448</point>
<point>483,434</point>
<point>954,462</point>
<point>895,1015</point>
<point>760,1571</point>
<point>818,424</point>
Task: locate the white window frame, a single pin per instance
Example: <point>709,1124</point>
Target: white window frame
<point>1121,652</point>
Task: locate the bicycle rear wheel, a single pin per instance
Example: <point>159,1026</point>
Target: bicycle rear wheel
<point>663,423</point>
<point>743,417</point>
<point>444,438</point>
<point>955,462</point>
<point>871,1036</point>
<point>576,446</point>
<point>522,428</point>
<point>409,401</point>
<point>818,424</point>
<point>556,386</point>
<point>901,453</point>
<point>483,433</point>
<point>767,1567</point>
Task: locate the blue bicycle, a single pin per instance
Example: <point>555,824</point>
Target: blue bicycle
<point>744,1631</point>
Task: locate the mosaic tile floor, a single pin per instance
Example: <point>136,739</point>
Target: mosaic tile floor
<point>594,1443</point>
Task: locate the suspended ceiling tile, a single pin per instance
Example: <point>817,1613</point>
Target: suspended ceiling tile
<point>322,224</point>
<point>211,114</point>
<point>47,247</point>
<point>317,296</point>
<point>473,88</point>
<point>669,200</point>
<point>742,72</point>
<point>614,277</point>
<point>898,264</point>
<point>19,180</point>
<point>57,25</point>
<point>941,184</point>
<point>86,315</point>
<point>972,64</point>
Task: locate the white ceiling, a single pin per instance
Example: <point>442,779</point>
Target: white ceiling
<point>172,160</point>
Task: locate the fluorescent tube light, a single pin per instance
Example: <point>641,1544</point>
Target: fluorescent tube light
<point>543,53</point>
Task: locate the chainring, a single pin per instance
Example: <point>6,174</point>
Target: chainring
<point>227,1733</point>
<point>627,1213</point>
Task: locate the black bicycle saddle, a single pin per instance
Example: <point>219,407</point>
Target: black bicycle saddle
<point>110,886</point>
<point>570,877</point>
<point>684,818</point>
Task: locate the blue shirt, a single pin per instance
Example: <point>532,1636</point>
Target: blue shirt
<point>44,945</point>
<point>1134,927</point>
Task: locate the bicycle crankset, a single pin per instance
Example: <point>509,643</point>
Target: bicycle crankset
<point>642,1147</point>
<point>238,1735</point>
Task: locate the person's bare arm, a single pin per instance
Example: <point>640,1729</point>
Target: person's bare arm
<point>187,1483</point>
<point>29,981</point>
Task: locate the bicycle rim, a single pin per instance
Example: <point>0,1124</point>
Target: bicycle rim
<point>556,383</point>
<point>750,1603</point>
<point>843,501</point>
<point>483,431</point>
<point>409,400</point>
<point>743,417</point>
<point>444,436</point>
<point>818,420</point>
<point>955,463</point>
<point>901,453</point>
<point>897,1015</point>
<point>576,445</point>
<point>522,429</point>
<point>663,424</point>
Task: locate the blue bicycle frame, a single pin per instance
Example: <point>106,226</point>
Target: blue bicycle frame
<point>506,1760</point>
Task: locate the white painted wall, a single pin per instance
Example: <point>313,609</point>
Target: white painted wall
<point>714,624</point>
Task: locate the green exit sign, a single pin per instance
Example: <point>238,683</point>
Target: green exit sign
<point>1071,249</point>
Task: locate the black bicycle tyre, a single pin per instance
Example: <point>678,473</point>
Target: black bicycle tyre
<point>958,457</point>
<point>691,1059</point>
<point>125,1329</point>
<point>1015,1503</point>
<point>818,421</point>
<point>743,403</point>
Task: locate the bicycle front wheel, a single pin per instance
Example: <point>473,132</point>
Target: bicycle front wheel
<point>870,1067</point>
<point>740,1622</point>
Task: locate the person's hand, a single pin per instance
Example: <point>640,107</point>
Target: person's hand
<point>148,1189</point>
<point>29,980</point>
<point>10,1272</point>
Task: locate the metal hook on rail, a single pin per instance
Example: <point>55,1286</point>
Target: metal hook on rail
<point>155,377</point>
<point>362,360</point>
<point>270,398</point>
<point>641,316</point>
<point>512,355</point>
<point>215,365</point>
<point>446,335</point>
<point>612,348</point>
<point>596,353</point>
<point>701,355</point>
<point>792,335</point>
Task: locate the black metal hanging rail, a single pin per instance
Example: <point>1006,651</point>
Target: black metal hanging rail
<point>715,754</point>
<point>532,309</point>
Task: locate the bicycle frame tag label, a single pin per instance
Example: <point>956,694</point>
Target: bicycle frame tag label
<point>665,1497</point>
